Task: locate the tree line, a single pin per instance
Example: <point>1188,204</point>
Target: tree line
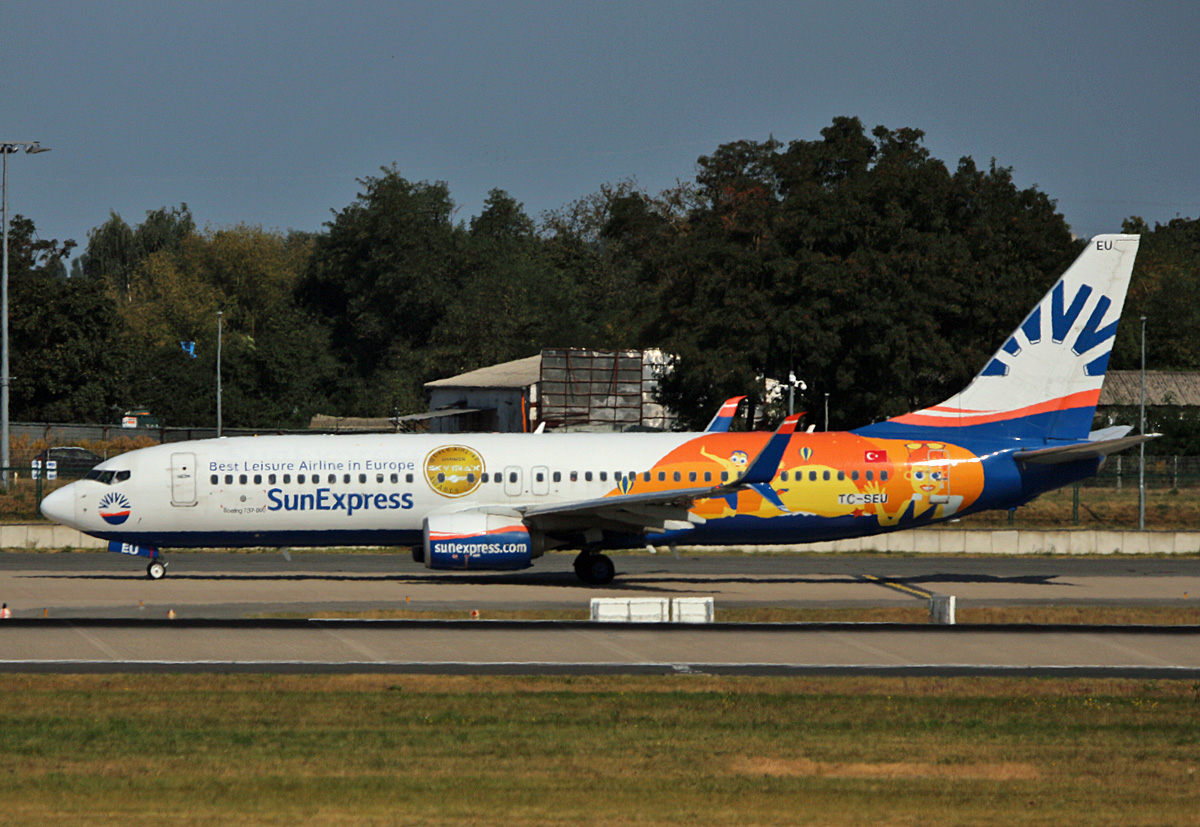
<point>879,275</point>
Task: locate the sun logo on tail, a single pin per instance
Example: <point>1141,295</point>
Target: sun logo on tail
<point>1062,318</point>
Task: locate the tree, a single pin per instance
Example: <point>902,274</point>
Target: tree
<point>115,249</point>
<point>859,261</point>
<point>381,277</point>
<point>64,334</point>
<point>1165,288</point>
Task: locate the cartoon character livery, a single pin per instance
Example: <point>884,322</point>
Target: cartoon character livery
<point>498,501</point>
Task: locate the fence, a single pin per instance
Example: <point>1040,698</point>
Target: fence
<point>1162,472</point>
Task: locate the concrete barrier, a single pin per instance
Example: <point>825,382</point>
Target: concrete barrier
<point>25,536</point>
<point>1005,541</point>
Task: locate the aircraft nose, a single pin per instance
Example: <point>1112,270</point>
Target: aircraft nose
<point>59,505</point>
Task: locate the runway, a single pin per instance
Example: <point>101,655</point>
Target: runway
<point>224,586</point>
<point>500,647</point>
<point>97,612</point>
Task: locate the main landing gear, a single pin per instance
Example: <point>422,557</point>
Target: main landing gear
<point>594,569</point>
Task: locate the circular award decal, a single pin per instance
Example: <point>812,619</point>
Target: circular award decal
<point>454,470</point>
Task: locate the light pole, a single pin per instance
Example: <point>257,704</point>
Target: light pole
<point>826,411</point>
<point>1142,446</point>
<point>219,314</point>
<point>7,148</point>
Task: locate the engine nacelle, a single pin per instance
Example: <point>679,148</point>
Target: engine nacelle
<point>476,541</point>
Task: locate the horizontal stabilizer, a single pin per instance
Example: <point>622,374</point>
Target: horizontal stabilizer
<point>1114,432</point>
<point>1082,450</point>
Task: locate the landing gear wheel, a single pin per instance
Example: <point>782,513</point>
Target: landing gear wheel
<point>594,569</point>
<point>156,570</point>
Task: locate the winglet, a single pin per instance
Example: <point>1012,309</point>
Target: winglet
<point>764,466</point>
<point>724,417</point>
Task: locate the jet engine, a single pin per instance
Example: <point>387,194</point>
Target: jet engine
<point>477,541</point>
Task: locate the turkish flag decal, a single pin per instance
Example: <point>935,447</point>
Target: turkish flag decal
<point>875,456</point>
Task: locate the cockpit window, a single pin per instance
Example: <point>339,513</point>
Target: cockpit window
<point>106,477</point>
<point>122,476</point>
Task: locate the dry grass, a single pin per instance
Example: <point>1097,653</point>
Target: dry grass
<point>1092,615</point>
<point>1099,508</point>
<point>377,749</point>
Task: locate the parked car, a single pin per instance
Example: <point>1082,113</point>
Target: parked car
<point>71,461</point>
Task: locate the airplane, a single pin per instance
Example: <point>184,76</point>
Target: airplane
<point>476,502</point>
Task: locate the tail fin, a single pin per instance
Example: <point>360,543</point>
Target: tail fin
<point>1044,382</point>
<point>724,417</point>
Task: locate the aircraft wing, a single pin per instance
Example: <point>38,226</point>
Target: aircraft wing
<point>1081,450</point>
<point>657,511</point>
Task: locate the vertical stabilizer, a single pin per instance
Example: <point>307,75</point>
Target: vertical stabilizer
<point>1045,380</point>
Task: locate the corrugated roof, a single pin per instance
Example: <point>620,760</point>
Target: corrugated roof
<point>519,373</point>
<point>1163,387</point>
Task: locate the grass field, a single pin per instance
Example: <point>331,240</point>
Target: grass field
<point>427,750</point>
<point>1042,614</point>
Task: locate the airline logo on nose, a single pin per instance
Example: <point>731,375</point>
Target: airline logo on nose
<point>114,508</point>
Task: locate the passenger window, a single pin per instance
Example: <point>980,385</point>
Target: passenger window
<point>825,475</point>
<point>471,477</point>
<point>662,476</point>
<point>691,476</point>
<point>724,476</point>
<point>229,479</point>
<point>270,479</point>
<point>708,476</point>
<point>883,476</point>
<point>482,477</point>
<point>242,479</point>
<point>441,477</point>
<point>812,476</point>
<point>841,475</point>
<point>258,479</point>
<point>854,475</point>
<point>512,477</point>
<point>587,475</point>
<point>408,477</point>
<point>603,476</point>
<point>646,476</point>
<point>346,479</point>
<point>617,476</point>
<point>784,476</point>
<point>539,476</point>
<point>332,479</point>
<point>870,476</point>
<point>558,476</point>
<point>574,476</point>
<point>379,479</point>
<point>677,476</point>
<point>214,479</point>
<point>362,478</point>
<point>396,478</point>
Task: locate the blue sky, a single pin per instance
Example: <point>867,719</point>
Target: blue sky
<point>267,113</point>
